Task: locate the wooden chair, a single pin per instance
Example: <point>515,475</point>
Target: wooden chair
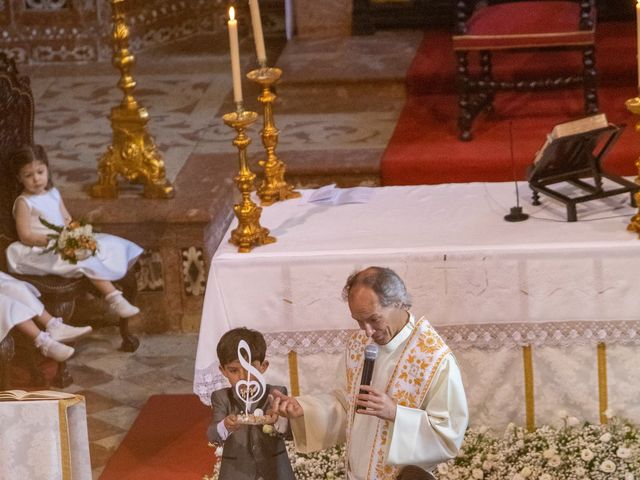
<point>58,294</point>
<point>520,26</point>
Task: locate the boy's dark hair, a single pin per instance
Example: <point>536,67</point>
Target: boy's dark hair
<point>227,348</point>
<point>24,155</point>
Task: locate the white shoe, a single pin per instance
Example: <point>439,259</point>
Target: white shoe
<point>53,349</point>
<point>61,332</point>
<point>120,305</point>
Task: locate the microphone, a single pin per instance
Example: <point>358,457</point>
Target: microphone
<point>370,354</point>
<point>515,214</point>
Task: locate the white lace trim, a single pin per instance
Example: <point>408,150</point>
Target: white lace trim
<point>458,337</point>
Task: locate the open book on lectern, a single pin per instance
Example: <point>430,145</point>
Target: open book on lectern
<point>574,127</point>
<point>573,154</point>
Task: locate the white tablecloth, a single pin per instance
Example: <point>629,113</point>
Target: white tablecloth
<point>44,440</point>
<point>482,281</point>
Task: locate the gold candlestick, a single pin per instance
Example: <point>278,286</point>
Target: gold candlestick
<point>132,154</point>
<point>248,233</point>
<point>273,187</point>
<point>633,105</point>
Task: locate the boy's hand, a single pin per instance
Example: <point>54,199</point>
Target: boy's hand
<point>231,423</point>
<point>271,416</point>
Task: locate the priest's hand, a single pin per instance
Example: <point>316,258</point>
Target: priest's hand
<point>376,403</point>
<point>286,406</point>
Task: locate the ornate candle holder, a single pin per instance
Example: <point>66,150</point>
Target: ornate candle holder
<point>248,233</point>
<point>633,105</point>
<point>273,187</point>
<point>132,154</point>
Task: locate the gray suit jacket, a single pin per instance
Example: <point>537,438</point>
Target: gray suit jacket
<point>248,453</point>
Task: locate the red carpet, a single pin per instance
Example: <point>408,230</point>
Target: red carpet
<point>424,148</point>
<point>168,441</point>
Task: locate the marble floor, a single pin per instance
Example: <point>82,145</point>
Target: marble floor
<point>337,106</point>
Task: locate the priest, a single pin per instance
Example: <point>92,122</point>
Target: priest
<point>414,412</point>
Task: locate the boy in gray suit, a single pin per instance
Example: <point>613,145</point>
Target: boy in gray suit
<point>250,452</point>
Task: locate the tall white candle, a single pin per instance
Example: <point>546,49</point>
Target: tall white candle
<point>232,24</point>
<point>258,37</point>
<point>638,38</point>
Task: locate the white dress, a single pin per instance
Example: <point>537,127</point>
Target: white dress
<point>114,256</point>
<point>18,303</point>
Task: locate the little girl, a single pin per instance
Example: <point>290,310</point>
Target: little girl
<point>19,307</point>
<point>39,199</point>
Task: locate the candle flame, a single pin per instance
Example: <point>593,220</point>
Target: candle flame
<point>232,13</point>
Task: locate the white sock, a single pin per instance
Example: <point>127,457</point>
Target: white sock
<point>53,322</point>
<point>41,339</point>
<point>110,297</point>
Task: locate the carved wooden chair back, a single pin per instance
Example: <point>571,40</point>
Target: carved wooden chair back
<point>485,28</point>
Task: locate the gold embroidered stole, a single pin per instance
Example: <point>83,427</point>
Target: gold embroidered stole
<point>408,385</point>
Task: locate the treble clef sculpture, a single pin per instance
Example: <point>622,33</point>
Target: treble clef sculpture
<point>253,389</point>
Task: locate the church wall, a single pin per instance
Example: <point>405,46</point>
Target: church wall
<point>45,31</point>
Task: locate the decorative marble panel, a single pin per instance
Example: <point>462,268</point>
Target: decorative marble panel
<point>193,271</point>
<point>45,31</point>
<point>149,271</point>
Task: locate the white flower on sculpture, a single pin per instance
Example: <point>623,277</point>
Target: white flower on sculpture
<point>520,444</point>
<point>605,437</point>
<point>586,455</point>
<point>477,474</point>
<point>608,413</point>
<point>443,468</point>
<point>623,452</point>
<point>483,429</point>
<point>580,472</point>
<point>573,422</point>
<point>563,414</point>
<point>525,472</point>
<point>549,453</point>
<point>607,466</point>
<point>629,476</point>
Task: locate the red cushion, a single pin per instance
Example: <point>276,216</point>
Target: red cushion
<point>523,25</point>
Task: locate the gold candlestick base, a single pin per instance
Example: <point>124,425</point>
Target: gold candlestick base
<point>274,187</point>
<point>633,105</point>
<point>132,154</point>
<point>249,233</point>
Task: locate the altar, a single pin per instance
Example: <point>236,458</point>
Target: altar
<point>542,315</point>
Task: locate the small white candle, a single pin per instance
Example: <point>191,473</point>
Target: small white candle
<point>638,38</point>
<point>258,37</point>
<point>232,24</point>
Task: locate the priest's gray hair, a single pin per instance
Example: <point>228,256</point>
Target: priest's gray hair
<point>385,283</point>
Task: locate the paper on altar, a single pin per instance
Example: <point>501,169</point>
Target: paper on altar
<point>331,195</point>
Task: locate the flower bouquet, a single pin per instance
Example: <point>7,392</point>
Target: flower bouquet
<point>73,242</point>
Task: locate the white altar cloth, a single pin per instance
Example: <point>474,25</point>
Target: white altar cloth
<point>44,440</point>
<point>483,282</point>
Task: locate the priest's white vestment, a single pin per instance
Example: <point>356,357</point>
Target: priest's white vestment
<point>425,435</point>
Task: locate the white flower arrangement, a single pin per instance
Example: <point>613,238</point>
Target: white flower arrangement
<point>573,451</point>
<point>321,465</point>
<point>73,242</point>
